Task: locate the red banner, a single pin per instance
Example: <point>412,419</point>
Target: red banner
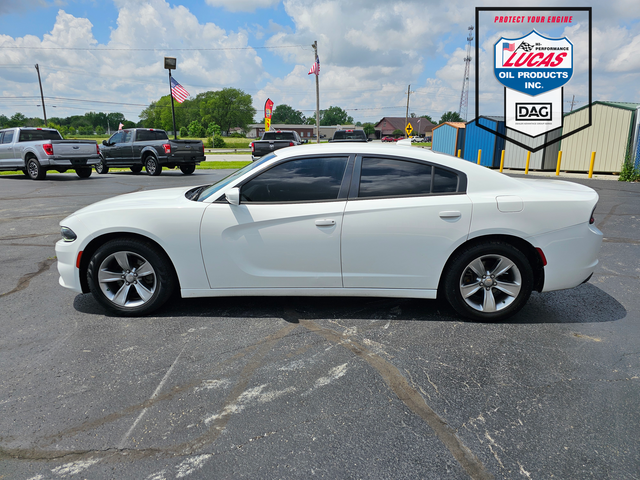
<point>268,111</point>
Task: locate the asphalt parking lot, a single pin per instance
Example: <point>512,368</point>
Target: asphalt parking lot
<point>310,387</point>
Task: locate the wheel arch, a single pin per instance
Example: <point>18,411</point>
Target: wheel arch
<point>525,247</point>
<point>97,242</point>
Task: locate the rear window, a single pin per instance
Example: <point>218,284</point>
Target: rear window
<point>145,135</point>
<point>278,136</point>
<point>349,135</point>
<point>34,135</point>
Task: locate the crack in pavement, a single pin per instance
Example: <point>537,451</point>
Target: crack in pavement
<point>26,279</point>
<point>410,397</point>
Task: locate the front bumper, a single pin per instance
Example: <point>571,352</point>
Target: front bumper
<point>67,255</point>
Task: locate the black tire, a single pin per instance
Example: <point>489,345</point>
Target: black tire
<point>102,167</point>
<point>118,285</point>
<point>24,170</point>
<point>478,279</point>
<point>83,172</point>
<point>152,166</point>
<point>135,168</point>
<point>35,170</point>
<point>188,169</point>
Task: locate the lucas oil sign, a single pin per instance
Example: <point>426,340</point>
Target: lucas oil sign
<point>533,64</point>
<point>533,68</point>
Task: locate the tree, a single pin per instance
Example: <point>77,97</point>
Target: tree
<point>229,107</point>
<point>334,116</point>
<point>3,121</point>
<point>196,129</point>
<point>286,114</point>
<point>450,117</point>
<point>213,130</point>
<point>397,133</point>
<point>369,128</point>
<point>428,117</point>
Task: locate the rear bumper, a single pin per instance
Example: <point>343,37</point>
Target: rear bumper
<point>69,162</point>
<point>571,253</point>
<point>182,160</point>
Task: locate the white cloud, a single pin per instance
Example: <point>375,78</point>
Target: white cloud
<point>243,5</point>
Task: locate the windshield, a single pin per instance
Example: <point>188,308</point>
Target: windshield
<point>212,189</point>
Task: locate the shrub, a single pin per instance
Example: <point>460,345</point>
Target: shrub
<point>629,172</point>
<point>237,135</point>
<point>184,132</point>
<point>213,129</point>
<point>196,129</point>
<point>218,142</point>
<point>208,142</point>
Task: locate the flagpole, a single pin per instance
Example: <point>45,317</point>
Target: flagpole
<point>173,111</point>
<point>315,59</point>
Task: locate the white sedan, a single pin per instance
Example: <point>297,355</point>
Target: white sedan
<point>338,220</point>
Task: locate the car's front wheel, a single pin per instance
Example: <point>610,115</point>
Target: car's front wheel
<point>130,277</point>
<point>102,167</point>
<point>489,282</point>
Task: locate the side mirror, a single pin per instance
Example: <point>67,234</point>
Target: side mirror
<point>233,196</point>
<point>104,142</point>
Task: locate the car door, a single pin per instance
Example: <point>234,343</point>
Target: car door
<point>285,233</point>
<point>109,151</point>
<point>402,221</point>
<point>7,156</point>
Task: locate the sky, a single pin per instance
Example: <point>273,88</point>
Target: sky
<point>107,55</point>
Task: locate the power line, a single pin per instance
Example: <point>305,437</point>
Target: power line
<point>163,49</point>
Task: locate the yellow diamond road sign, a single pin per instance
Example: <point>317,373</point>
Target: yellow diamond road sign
<point>408,129</point>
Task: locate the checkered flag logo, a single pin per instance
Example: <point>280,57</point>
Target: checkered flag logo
<point>526,46</point>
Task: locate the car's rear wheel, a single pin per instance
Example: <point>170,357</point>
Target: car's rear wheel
<point>135,168</point>
<point>102,167</point>
<point>35,170</point>
<point>489,282</point>
<point>83,172</point>
<point>130,277</point>
<point>152,166</point>
<point>188,169</point>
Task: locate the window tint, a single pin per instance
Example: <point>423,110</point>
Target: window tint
<point>444,181</point>
<point>117,138</point>
<point>161,135</point>
<point>127,136</point>
<point>303,180</point>
<point>33,135</point>
<point>8,137</point>
<point>278,136</point>
<point>383,177</point>
<point>145,135</point>
<point>349,135</point>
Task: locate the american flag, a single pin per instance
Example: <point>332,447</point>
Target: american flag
<point>178,91</point>
<point>508,46</point>
<point>315,68</point>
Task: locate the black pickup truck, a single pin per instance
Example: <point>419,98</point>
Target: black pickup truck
<point>274,140</point>
<point>349,136</point>
<point>150,148</point>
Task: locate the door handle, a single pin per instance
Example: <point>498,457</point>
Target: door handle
<point>450,214</point>
<point>325,222</point>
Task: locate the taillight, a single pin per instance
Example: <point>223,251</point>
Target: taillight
<point>97,149</point>
<point>203,148</point>
<point>592,218</point>
<point>167,148</point>
<point>542,257</point>
<point>253,148</point>
<point>48,148</point>
<point>291,144</point>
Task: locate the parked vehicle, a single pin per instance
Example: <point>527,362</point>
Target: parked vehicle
<point>389,139</point>
<point>338,220</point>
<point>274,140</point>
<point>149,148</point>
<point>417,139</point>
<point>349,136</point>
<point>38,150</point>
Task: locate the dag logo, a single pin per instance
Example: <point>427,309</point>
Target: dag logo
<point>533,64</point>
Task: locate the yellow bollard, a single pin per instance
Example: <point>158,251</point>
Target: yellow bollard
<point>502,161</point>
<point>526,168</point>
<point>459,153</point>
<point>559,160</point>
<point>479,155</point>
<point>593,160</point>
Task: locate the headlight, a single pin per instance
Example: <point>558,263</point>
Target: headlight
<point>68,235</point>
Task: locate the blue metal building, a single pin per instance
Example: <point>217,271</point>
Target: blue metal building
<point>491,145</point>
<point>448,137</point>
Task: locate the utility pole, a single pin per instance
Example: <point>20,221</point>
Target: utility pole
<point>573,101</point>
<point>44,111</point>
<point>406,116</point>
<point>315,57</point>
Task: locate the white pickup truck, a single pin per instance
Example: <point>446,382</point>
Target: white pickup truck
<point>36,150</point>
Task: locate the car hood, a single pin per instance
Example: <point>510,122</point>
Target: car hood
<point>151,198</point>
